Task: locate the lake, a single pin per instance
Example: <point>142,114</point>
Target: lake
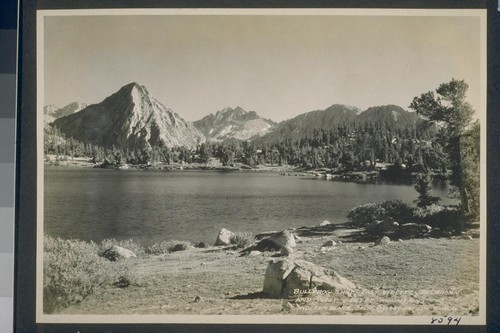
<point>151,206</point>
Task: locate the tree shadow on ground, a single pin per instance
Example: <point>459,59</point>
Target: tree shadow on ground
<point>254,295</point>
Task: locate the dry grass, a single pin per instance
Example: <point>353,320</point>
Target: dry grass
<point>415,277</point>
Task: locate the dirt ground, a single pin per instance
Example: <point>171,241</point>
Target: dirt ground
<point>412,277</point>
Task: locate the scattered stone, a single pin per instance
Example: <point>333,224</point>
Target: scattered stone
<point>400,240</point>
<point>254,253</point>
<point>325,222</point>
<point>224,237</point>
<point>329,243</point>
<point>117,252</point>
<point>382,241</point>
<point>469,237</point>
<point>285,276</point>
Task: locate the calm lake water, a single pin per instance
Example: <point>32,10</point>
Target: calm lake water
<point>151,206</point>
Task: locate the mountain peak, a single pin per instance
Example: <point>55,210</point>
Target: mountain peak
<point>130,118</point>
<point>134,87</point>
<point>235,123</point>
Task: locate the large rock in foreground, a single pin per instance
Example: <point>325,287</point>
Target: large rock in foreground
<point>117,252</point>
<point>224,237</point>
<point>284,277</point>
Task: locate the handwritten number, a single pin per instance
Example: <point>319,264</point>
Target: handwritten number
<point>449,321</point>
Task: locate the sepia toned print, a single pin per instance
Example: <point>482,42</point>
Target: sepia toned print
<point>275,166</point>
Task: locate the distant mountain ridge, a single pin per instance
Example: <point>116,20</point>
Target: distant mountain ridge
<point>338,114</point>
<point>133,119</point>
<point>130,119</point>
<point>52,112</point>
<point>234,123</point>
<point>389,114</point>
<point>306,123</point>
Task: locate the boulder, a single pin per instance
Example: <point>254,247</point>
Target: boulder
<point>382,227</point>
<point>325,222</point>
<point>283,239</point>
<point>329,243</point>
<point>286,251</point>
<point>117,252</point>
<point>382,241</point>
<point>285,276</point>
<point>414,230</point>
<point>224,237</point>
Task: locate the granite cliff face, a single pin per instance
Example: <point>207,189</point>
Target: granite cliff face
<point>234,123</point>
<point>130,119</point>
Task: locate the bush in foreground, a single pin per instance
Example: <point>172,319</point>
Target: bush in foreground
<point>436,216</point>
<point>73,270</point>
<point>365,214</point>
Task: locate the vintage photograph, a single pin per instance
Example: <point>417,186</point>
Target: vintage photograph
<point>261,166</point>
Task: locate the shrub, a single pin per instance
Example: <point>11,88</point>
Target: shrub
<point>362,215</point>
<point>72,271</point>
<point>241,239</point>
<point>202,245</point>
<point>399,211</point>
<point>168,247</point>
<point>438,216</point>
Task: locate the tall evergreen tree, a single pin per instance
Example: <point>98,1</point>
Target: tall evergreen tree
<point>450,109</point>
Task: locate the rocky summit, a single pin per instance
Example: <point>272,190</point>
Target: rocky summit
<point>130,119</point>
<point>234,123</point>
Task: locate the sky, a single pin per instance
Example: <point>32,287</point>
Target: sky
<point>277,65</point>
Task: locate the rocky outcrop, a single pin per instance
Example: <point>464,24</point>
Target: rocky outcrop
<point>224,237</point>
<point>117,252</point>
<point>287,277</point>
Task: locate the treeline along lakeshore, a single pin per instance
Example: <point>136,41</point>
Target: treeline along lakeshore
<point>132,128</point>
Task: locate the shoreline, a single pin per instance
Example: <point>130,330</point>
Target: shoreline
<point>361,177</point>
